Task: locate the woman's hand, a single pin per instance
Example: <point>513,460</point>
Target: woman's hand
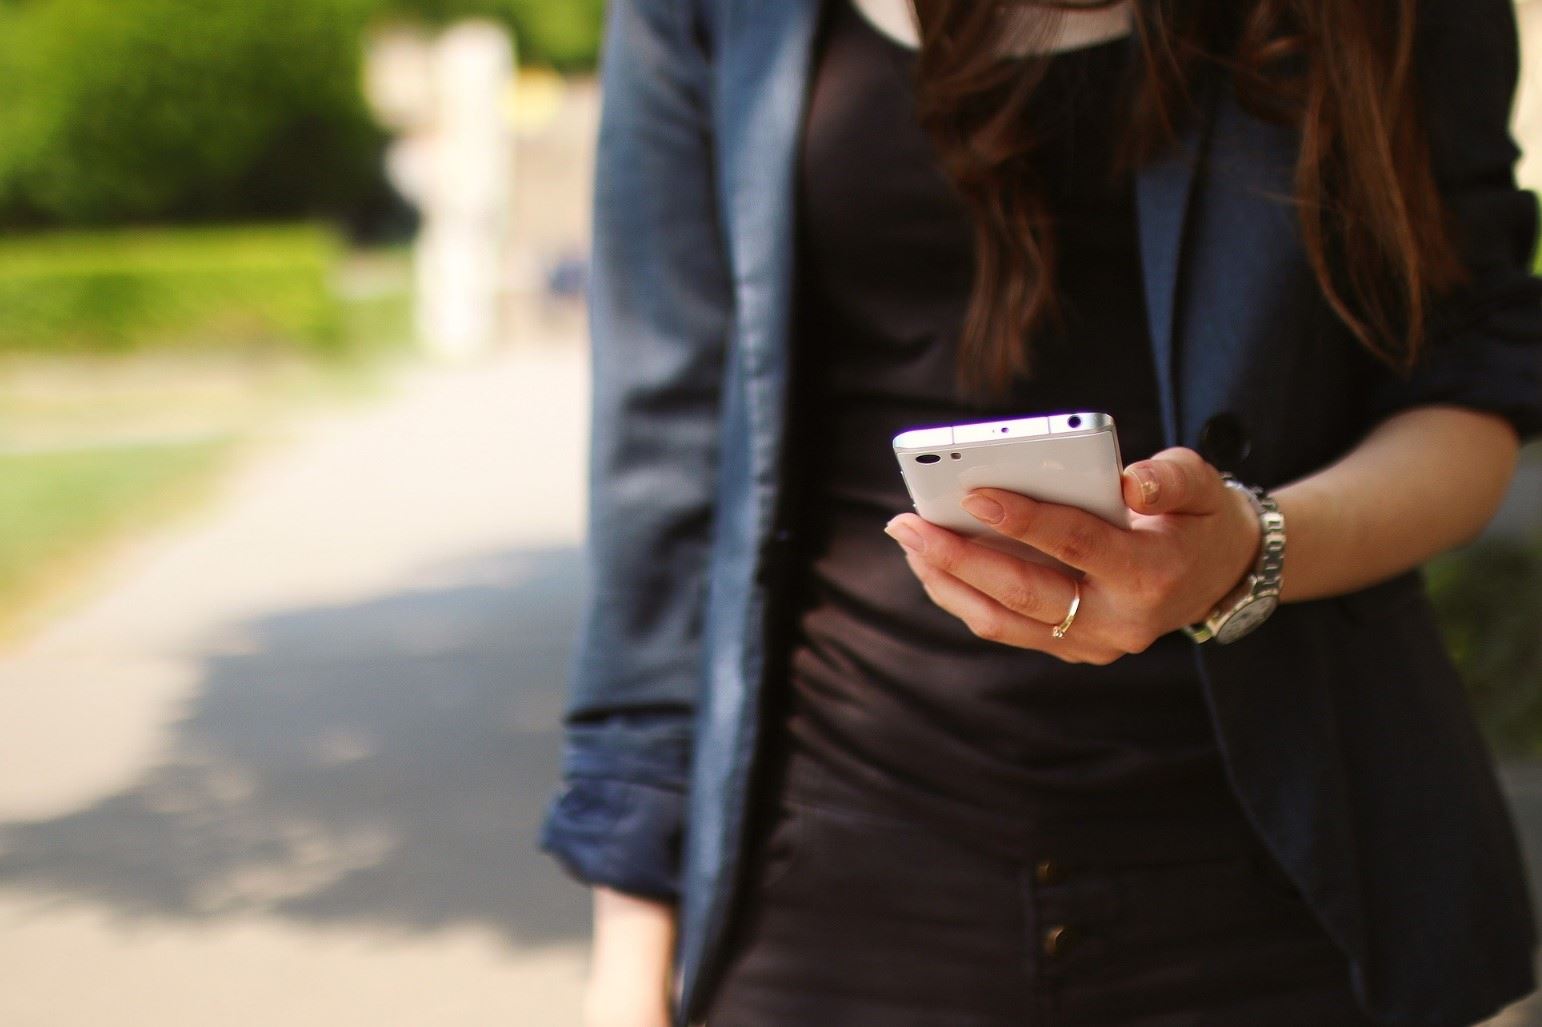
<point>629,966</point>
<point>1190,542</point>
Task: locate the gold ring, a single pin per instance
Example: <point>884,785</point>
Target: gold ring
<point>1060,629</point>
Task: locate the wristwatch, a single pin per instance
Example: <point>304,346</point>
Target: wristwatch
<point>1251,602</point>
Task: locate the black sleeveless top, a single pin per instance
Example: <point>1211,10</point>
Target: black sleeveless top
<point>886,689</point>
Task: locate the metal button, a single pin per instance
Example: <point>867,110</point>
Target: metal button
<point>1046,871</point>
<point>1056,939</point>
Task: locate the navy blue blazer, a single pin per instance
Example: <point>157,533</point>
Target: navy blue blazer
<point>1342,724</point>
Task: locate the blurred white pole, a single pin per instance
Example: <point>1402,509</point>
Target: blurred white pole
<point>454,159</point>
<point>1522,509</point>
<point>461,249</point>
<point>1528,101</point>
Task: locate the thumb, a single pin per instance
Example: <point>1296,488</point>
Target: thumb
<point>1173,481</point>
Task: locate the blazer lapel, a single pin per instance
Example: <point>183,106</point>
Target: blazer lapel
<point>1162,191</point>
<point>763,79</point>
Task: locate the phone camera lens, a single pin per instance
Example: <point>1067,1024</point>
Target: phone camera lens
<point>1074,421</point>
<point>928,458</point>
<point>1004,430</point>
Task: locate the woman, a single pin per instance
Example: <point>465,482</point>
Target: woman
<point>817,777</point>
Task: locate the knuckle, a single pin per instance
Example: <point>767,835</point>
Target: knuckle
<point>1077,544</point>
<point>1185,458</point>
<point>1159,584</point>
<point>1148,578</point>
<point>988,627</point>
<point>1015,524</point>
<point>930,590</point>
<point>1185,472</point>
<point>1136,638</point>
<point>1018,595</point>
<point>1197,469</point>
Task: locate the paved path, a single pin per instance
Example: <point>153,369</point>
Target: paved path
<point>287,765</point>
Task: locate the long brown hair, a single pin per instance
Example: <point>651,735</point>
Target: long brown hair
<point>1340,71</point>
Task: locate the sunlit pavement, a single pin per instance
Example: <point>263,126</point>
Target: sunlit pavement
<point>286,765</point>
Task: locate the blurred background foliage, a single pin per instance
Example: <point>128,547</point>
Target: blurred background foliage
<point>1489,598</point>
<point>134,110</point>
<point>127,111</point>
<point>175,113</point>
<point>560,34</point>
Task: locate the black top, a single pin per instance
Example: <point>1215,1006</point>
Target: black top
<point>887,689</point>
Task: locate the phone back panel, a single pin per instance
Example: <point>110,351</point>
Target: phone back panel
<point>1078,468</point>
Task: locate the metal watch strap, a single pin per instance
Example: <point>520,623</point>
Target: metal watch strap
<point>1268,570</point>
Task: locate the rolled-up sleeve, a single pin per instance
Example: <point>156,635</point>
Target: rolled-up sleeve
<point>1485,340</point>
<point>618,818</point>
<point>660,310</point>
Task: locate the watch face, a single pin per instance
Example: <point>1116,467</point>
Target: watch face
<point>1246,617</point>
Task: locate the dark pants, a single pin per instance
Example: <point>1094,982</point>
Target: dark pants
<point>857,918</point>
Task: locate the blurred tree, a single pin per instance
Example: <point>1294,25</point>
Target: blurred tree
<point>147,110</point>
<point>132,110</point>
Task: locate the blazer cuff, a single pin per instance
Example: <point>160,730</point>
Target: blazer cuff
<point>1492,363</point>
<point>619,817</point>
<point>620,834</point>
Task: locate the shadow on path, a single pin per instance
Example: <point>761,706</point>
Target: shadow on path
<point>385,763</point>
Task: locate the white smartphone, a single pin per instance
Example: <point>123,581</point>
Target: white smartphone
<point>1071,459</point>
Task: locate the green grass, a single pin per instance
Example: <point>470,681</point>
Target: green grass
<point>76,476</point>
<point>57,508</point>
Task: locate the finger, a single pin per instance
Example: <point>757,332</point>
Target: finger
<point>1030,589</point>
<point>1074,537</point>
<point>1173,481</point>
<point>994,623</point>
<point>984,616</point>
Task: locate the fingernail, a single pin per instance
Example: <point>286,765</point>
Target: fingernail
<point>906,536</point>
<point>981,508</point>
<point>1149,486</point>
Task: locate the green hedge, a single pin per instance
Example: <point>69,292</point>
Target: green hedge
<point>210,288</point>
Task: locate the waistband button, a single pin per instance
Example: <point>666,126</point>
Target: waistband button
<point>1056,939</point>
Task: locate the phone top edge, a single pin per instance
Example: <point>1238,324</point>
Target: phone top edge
<point>989,432</point>
<point>923,438</point>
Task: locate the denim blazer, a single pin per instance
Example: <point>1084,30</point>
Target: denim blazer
<point>1343,727</point>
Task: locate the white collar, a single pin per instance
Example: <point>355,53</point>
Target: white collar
<point>1079,29</point>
